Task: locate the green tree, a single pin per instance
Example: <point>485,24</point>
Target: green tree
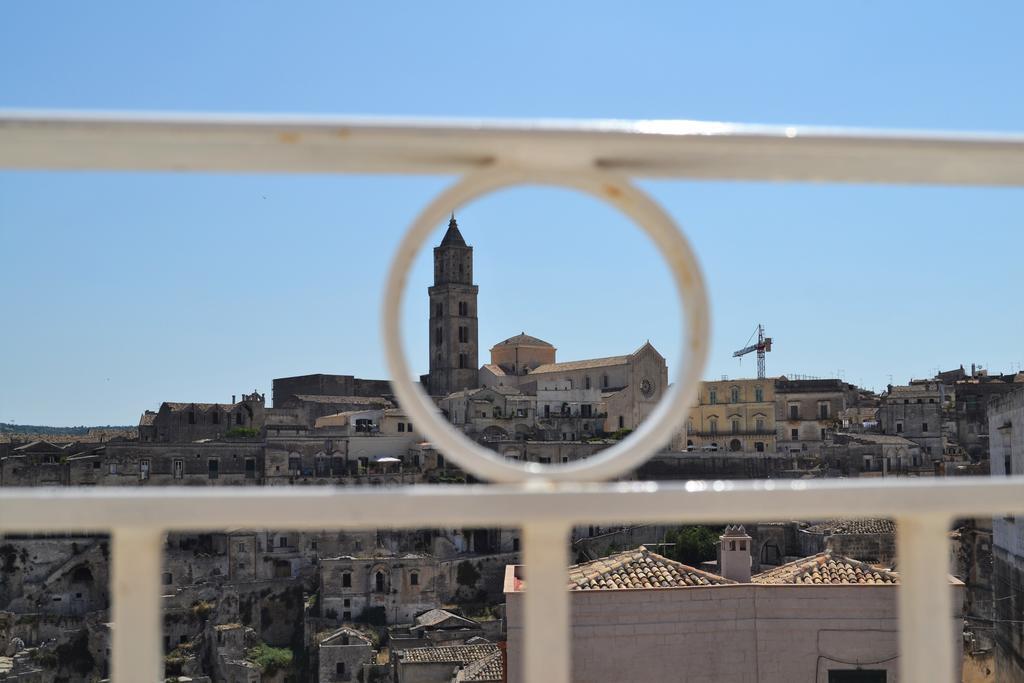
<point>693,544</point>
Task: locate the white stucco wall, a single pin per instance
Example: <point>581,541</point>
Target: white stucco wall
<point>726,634</point>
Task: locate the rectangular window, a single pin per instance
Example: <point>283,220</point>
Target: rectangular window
<point>794,434</point>
<point>113,468</point>
<point>438,336</point>
<point>346,580</point>
<point>294,464</point>
<point>794,411</point>
<point>759,424</point>
<point>463,361</point>
<point>213,466</point>
<point>179,469</point>
<point>191,417</point>
<point>735,426</point>
<point>759,394</point>
<point>463,334</point>
<point>822,434</point>
<point>216,417</point>
<point>585,410</point>
<point>712,397</point>
<point>408,426</point>
<point>401,426</point>
<point>238,418</point>
<point>250,468</point>
<point>735,395</point>
<point>438,310</point>
<point>463,308</point>
<point>924,426</point>
<point>899,427</point>
<point>759,446</point>
<point>144,469</point>
<point>823,411</point>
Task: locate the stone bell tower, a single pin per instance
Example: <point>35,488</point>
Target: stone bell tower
<point>453,322</point>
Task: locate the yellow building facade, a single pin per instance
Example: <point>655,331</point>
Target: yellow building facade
<point>736,415</point>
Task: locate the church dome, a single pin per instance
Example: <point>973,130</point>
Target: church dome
<point>523,339</point>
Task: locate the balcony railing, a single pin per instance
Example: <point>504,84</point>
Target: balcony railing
<point>597,157</point>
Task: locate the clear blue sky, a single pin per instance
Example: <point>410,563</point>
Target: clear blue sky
<point>123,290</point>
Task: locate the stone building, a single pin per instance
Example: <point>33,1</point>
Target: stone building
<point>476,662</point>
<point>809,410</point>
<point>178,422</point>
<point>387,589</point>
<point>517,356</point>
<point>803,621</point>
<point>971,396</point>
<point>231,462</point>
<point>303,410</point>
<point>732,415</point>
<point>453,317</point>
<point>866,454</point>
<point>1006,427</point>
<point>286,388</point>
<point>631,385</point>
<point>342,656</point>
<point>914,412</point>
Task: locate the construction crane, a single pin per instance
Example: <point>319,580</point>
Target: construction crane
<point>763,345</point>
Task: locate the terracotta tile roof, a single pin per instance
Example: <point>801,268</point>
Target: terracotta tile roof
<point>457,654</point>
<point>853,526</point>
<point>353,400</point>
<point>175,406</point>
<point>638,568</point>
<point>827,569</point>
<point>523,339</point>
<point>490,668</point>
<point>581,364</point>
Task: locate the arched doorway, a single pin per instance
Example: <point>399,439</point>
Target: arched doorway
<point>735,445</point>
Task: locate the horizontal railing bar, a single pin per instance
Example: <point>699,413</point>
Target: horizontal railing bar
<point>654,149</point>
<point>96,509</point>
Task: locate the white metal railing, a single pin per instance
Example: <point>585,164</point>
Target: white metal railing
<point>598,157</point>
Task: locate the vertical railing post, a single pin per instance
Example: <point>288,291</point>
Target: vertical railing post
<point>925,600</point>
<point>136,566</point>
<point>546,634</point>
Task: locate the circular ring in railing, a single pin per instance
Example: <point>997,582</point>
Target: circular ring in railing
<point>656,431</point>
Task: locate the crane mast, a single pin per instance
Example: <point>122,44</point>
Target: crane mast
<point>763,345</point>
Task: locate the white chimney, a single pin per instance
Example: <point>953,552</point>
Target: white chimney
<point>735,554</point>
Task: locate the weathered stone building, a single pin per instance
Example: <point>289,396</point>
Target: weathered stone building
<point>287,388</point>
<point>732,415</point>
<point>866,454</point>
<point>971,396</point>
<point>343,654</point>
<point>385,589</point>
<point>808,411</point>
<point>914,412</point>
<point>177,422</point>
<point>1006,427</point>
